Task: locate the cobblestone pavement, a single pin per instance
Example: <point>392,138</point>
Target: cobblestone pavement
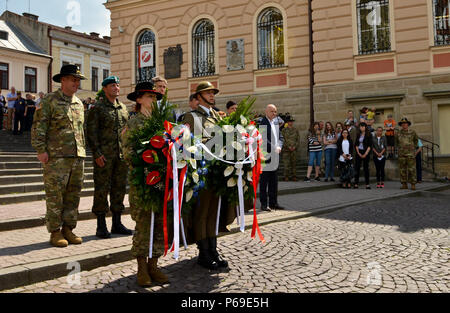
<point>398,245</point>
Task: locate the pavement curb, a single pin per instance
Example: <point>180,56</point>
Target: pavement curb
<point>22,275</point>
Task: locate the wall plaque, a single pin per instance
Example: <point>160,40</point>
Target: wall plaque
<point>173,58</point>
<point>235,55</point>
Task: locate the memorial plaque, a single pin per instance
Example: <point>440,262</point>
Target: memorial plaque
<point>173,58</point>
<point>235,55</point>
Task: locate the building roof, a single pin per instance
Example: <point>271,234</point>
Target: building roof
<point>17,40</point>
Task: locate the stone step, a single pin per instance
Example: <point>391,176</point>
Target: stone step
<point>32,171</point>
<point>35,196</point>
<point>6,158</point>
<point>30,164</point>
<point>18,189</point>
<point>32,178</point>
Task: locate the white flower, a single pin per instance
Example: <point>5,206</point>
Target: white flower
<point>192,149</point>
<point>231,182</point>
<point>223,151</point>
<point>181,164</point>
<point>240,129</point>
<point>250,128</point>
<point>245,189</point>
<point>209,125</point>
<point>193,163</point>
<point>227,128</point>
<point>228,171</point>
<point>195,177</point>
<point>249,176</point>
<point>186,134</point>
<point>236,145</point>
<point>189,195</point>
<point>239,172</point>
<point>243,120</point>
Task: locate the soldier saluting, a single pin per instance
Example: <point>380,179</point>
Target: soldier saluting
<point>105,123</point>
<point>58,138</point>
<point>406,141</point>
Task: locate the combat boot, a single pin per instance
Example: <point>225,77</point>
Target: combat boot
<point>57,239</point>
<point>212,241</point>
<point>117,226</point>
<point>70,236</point>
<point>143,278</point>
<point>102,231</point>
<point>413,187</point>
<point>204,257</point>
<point>155,273</point>
<point>404,186</point>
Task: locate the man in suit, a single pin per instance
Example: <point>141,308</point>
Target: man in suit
<point>205,213</point>
<point>270,130</point>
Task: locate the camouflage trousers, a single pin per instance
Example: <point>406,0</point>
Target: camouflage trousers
<point>63,181</point>
<point>289,161</point>
<point>407,168</point>
<point>141,237</point>
<point>110,179</point>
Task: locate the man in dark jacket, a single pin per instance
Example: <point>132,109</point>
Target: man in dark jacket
<point>19,114</point>
<point>272,145</point>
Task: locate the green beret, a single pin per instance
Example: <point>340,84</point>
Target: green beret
<point>110,80</point>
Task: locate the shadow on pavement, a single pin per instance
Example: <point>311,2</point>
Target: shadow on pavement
<point>411,213</point>
<point>185,276</point>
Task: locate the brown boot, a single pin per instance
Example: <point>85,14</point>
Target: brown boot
<point>57,239</point>
<point>155,272</point>
<point>143,278</point>
<point>413,187</point>
<point>71,237</point>
<point>404,186</point>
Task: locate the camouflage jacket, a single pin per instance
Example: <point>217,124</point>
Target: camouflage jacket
<point>291,138</point>
<point>406,142</point>
<point>58,127</point>
<point>105,124</point>
<point>135,122</point>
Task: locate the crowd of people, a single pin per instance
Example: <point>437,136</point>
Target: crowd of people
<point>18,111</point>
<point>353,143</point>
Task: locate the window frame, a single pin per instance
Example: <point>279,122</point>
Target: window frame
<point>29,80</point>
<point>94,79</point>
<point>7,76</point>
<point>259,31</point>
<point>445,42</point>
<point>390,47</point>
<point>208,42</point>
<point>151,71</point>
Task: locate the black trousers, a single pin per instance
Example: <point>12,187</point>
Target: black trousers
<point>19,118</point>
<point>268,182</point>
<point>365,163</point>
<point>379,166</point>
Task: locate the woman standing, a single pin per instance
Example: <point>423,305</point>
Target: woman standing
<point>379,155</point>
<point>345,152</point>
<point>329,141</point>
<point>363,146</point>
<point>144,96</point>
<point>315,151</point>
<point>338,129</point>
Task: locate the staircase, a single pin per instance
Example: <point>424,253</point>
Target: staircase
<point>21,172</point>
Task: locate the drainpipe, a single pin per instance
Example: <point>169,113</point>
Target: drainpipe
<point>311,64</point>
<point>50,75</point>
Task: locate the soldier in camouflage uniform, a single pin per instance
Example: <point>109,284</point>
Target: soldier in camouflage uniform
<point>406,141</point>
<point>144,95</point>
<point>58,138</point>
<point>106,121</point>
<point>291,140</point>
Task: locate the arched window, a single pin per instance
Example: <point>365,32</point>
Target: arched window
<point>145,56</point>
<point>373,26</point>
<point>203,53</point>
<point>441,12</point>
<point>270,39</point>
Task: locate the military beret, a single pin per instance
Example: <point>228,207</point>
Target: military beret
<point>110,80</point>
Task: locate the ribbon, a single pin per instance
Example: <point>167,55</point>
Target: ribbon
<point>241,200</point>
<point>218,215</point>
<point>176,205</point>
<point>256,173</point>
<point>152,225</point>
<point>168,128</point>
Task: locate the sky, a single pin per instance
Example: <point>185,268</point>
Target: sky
<point>85,16</point>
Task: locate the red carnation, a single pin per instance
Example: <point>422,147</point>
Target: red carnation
<point>157,142</point>
<point>153,178</point>
<point>149,156</point>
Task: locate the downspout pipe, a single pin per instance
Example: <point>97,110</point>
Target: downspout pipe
<point>311,64</point>
<point>50,66</point>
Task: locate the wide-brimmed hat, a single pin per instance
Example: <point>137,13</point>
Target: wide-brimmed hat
<point>69,70</point>
<point>204,86</point>
<point>404,120</point>
<point>142,88</point>
<point>289,118</point>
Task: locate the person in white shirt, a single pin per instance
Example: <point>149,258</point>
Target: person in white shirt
<point>345,152</point>
<point>379,155</point>
<point>38,101</point>
<point>11,97</point>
